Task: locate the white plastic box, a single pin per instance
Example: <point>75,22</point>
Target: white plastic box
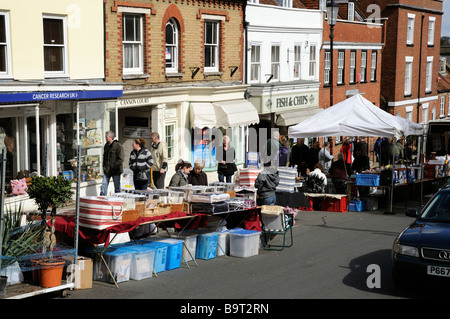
<point>189,247</point>
<point>119,262</point>
<point>244,243</point>
<point>222,247</point>
<point>142,262</point>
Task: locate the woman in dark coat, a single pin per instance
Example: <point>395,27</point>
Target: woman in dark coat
<point>197,176</point>
<point>225,161</point>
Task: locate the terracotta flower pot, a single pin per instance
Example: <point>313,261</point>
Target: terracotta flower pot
<point>50,274</point>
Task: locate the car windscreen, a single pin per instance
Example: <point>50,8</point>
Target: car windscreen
<point>438,209</point>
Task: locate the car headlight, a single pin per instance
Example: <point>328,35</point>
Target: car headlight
<point>406,250</point>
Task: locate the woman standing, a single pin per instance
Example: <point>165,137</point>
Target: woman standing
<point>225,161</point>
<point>141,161</point>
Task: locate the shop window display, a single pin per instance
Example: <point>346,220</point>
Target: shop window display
<point>93,122</point>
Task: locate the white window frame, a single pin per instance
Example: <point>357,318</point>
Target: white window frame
<point>284,3</point>
<point>352,71</point>
<point>214,45</point>
<point>363,69</point>
<point>340,67</point>
<point>137,45</point>
<point>431,30</point>
<point>172,48</point>
<point>373,66</point>
<point>326,68</point>
<point>297,71</point>
<point>442,104</point>
<point>312,60</point>
<point>323,5</point>
<point>63,72</point>
<point>351,11</point>
<point>429,74</point>
<point>425,113</point>
<point>408,75</point>
<point>410,29</point>
<point>255,63</point>
<point>6,47</point>
<point>275,51</point>
<point>173,138</point>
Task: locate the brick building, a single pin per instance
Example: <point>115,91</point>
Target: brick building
<point>410,61</point>
<point>179,62</point>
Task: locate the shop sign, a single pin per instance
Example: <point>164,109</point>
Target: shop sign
<point>134,102</point>
<point>59,95</point>
<point>275,103</point>
<point>136,132</point>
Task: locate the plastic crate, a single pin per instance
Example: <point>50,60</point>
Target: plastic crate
<point>244,243</point>
<point>159,264</point>
<point>367,180</point>
<point>357,206</point>
<point>119,262</point>
<point>331,204</point>
<point>142,261</point>
<point>207,246</point>
<point>174,252</point>
<point>190,246</point>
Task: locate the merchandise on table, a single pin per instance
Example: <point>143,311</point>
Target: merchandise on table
<point>288,178</point>
<point>100,212</point>
<point>209,198</point>
<point>210,208</point>
<point>367,179</point>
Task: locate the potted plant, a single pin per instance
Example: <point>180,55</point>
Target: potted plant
<point>17,241</point>
<point>50,192</point>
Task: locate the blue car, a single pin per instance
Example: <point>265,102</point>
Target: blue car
<point>421,252</point>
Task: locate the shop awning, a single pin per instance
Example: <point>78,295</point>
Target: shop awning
<point>223,114</point>
<point>202,115</point>
<point>235,113</point>
<point>294,117</point>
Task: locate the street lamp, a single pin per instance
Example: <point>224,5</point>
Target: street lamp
<point>332,12</point>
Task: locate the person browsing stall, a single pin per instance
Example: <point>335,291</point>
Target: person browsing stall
<point>112,163</point>
<point>180,178</point>
<point>197,176</point>
<point>140,162</point>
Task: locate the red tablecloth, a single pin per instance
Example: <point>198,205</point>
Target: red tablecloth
<point>66,225</point>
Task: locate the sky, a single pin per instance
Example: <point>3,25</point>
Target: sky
<point>445,30</point>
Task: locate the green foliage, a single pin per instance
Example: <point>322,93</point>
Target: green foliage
<point>50,191</point>
<point>18,241</point>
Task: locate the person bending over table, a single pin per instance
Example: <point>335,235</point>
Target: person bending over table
<point>266,183</point>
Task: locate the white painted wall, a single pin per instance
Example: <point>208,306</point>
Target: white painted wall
<point>287,27</point>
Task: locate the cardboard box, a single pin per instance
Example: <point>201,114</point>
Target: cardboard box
<point>83,273</point>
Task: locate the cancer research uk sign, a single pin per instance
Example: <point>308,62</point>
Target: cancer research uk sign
<point>59,95</point>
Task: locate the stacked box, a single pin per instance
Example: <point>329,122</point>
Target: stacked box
<point>332,204</point>
<point>288,177</point>
<point>247,176</point>
<point>244,243</point>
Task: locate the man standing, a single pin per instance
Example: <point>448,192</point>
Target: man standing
<point>325,157</point>
<point>112,163</point>
<point>159,154</point>
<point>299,156</point>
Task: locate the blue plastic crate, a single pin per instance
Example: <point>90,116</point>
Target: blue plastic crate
<point>207,246</point>
<point>367,179</point>
<point>357,206</point>
<point>174,252</point>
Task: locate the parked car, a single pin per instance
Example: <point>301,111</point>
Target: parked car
<point>421,252</point>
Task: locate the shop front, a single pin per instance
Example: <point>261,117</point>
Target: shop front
<point>42,128</point>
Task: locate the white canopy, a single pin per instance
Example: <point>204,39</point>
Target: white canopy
<point>223,114</point>
<point>355,116</point>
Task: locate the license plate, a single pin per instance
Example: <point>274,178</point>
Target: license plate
<point>438,271</point>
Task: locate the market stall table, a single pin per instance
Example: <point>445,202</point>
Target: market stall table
<point>179,220</point>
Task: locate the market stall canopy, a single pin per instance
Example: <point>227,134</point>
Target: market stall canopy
<point>354,116</point>
<point>410,127</point>
<point>223,114</point>
<point>289,118</point>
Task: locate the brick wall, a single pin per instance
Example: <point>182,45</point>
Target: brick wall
<point>188,14</point>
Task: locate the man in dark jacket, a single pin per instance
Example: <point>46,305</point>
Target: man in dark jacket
<point>299,156</point>
<point>112,163</point>
<point>266,183</point>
